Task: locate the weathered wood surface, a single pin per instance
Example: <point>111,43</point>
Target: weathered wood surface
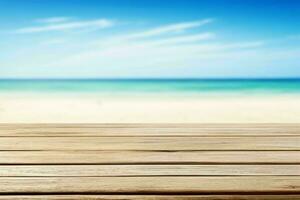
<point>151,185</point>
<point>150,161</point>
<point>183,130</point>
<point>146,170</point>
<point>150,143</point>
<point>150,157</point>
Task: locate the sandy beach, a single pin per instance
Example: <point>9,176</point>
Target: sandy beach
<point>29,108</point>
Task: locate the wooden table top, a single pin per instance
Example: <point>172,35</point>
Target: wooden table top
<point>150,161</point>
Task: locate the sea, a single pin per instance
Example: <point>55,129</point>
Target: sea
<point>154,86</point>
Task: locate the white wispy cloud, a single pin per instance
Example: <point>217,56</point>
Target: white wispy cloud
<point>171,28</point>
<point>184,39</point>
<point>167,31</point>
<point>164,49</point>
<point>168,47</point>
<point>71,25</point>
<point>53,20</point>
<point>177,51</point>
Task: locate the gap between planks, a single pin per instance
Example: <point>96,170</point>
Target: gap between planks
<point>150,197</point>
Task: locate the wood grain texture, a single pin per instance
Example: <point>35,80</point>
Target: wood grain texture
<point>64,130</point>
<point>149,157</point>
<point>150,143</point>
<point>146,170</point>
<point>154,185</point>
<point>150,161</point>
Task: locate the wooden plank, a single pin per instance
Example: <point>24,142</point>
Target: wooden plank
<point>151,185</point>
<point>112,132</point>
<point>149,143</point>
<point>150,197</point>
<point>146,170</point>
<point>149,157</point>
<point>184,131</point>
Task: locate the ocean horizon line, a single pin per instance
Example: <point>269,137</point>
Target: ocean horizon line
<point>157,79</point>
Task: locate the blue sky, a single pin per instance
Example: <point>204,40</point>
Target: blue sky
<point>149,38</point>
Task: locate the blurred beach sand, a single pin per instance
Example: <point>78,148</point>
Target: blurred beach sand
<point>33,108</point>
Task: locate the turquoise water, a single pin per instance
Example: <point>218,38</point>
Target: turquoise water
<point>184,86</point>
